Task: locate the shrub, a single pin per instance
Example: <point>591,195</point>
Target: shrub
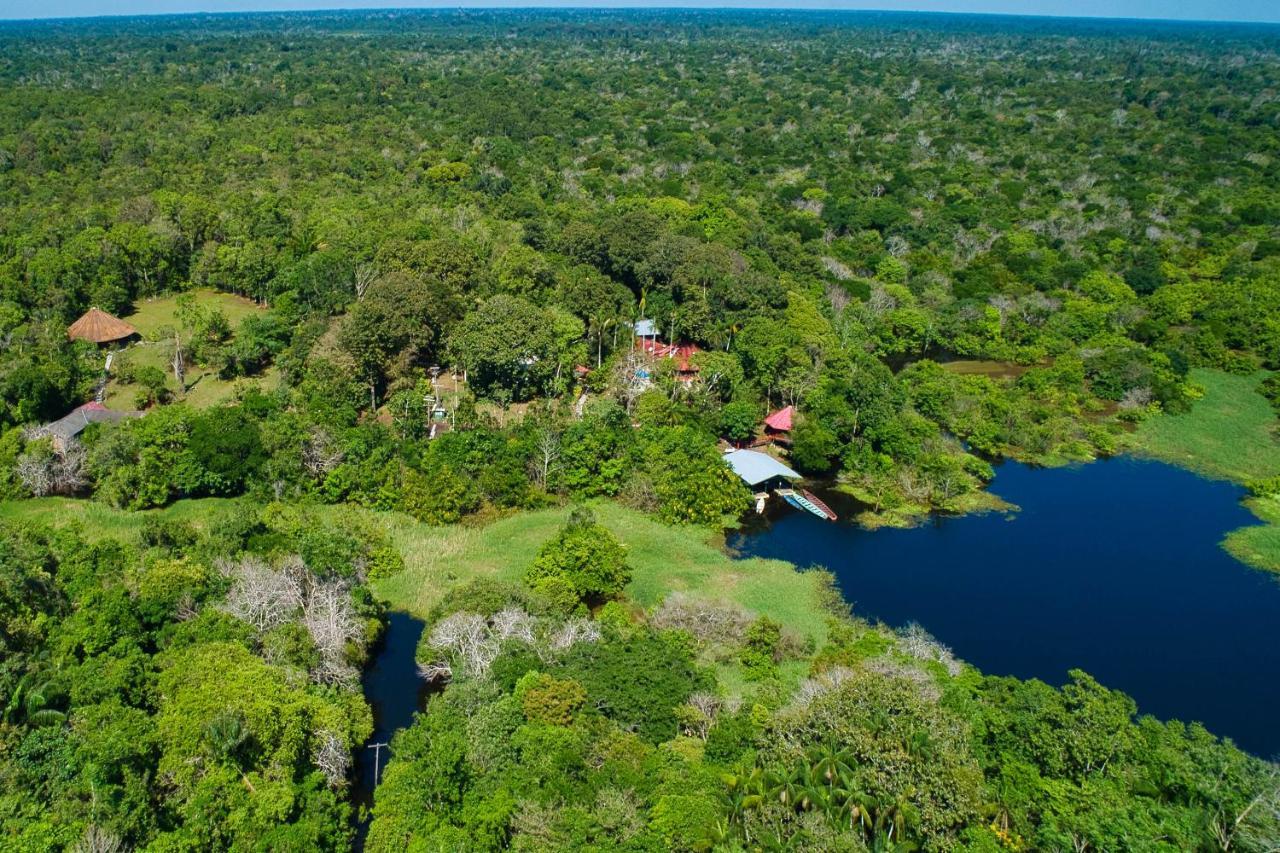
<point>547,699</point>
<point>586,555</point>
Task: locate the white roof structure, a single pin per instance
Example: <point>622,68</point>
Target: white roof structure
<point>646,329</point>
<point>755,467</point>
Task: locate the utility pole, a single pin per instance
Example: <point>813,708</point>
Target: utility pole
<point>377,754</point>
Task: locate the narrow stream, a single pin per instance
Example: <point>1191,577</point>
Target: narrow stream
<point>395,692</point>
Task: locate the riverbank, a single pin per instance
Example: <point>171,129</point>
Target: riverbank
<point>1229,434</point>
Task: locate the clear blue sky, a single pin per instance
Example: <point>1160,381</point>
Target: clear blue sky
<point>1217,10</point>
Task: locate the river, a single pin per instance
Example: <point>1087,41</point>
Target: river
<point>394,692</point>
<point>1113,567</point>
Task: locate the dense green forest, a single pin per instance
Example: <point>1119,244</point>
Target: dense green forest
<point>944,240</point>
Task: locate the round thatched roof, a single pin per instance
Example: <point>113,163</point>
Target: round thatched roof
<point>100,327</point>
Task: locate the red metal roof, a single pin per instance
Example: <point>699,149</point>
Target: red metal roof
<point>781,419</point>
<point>684,352</point>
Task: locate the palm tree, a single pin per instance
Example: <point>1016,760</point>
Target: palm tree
<point>782,788</point>
<point>224,735</point>
<point>30,701</point>
<point>743,793</point>
<point>831,764</point>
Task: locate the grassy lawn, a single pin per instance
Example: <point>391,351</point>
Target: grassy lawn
<point>100,521</point>
<point>1229,434</point>
<point>664,559</point>
<point>155,320</point>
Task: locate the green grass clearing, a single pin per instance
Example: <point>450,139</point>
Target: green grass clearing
<point>156,320</point>
<point>664,559</point>
<point>100,521</point>
<point>1229,434</point>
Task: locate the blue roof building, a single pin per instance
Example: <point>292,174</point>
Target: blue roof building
<point>756,468</point>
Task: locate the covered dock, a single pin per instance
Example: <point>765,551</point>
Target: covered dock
<point>759,470</point>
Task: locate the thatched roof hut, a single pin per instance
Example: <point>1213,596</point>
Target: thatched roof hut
<point>100,327</point>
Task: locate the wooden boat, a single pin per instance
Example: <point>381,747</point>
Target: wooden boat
<point>807,501</point>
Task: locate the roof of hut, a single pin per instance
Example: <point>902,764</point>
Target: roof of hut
<point>99,327</point>
<point>73,423</point>
<point>781,420</point>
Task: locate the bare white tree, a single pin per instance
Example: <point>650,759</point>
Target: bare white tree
<point>469,643</point>
<point>1256,826</point>
<point>47,471</point>
<point>332,621</point>
<point>1136,398</point>
<point>836,268</point>
<point>366,275</point>
<point>320,453</point>
<point>546,447</point>
<point>703,708</point>
<point>574,631</point>
<point>924,683</point>
<point>708,622</point>
<point>915,641</point>
<point>466,636</point>
<point>261,595</point>
<point>630,376</point>
<point>332,758</point>
<point>820,684</point>
<point>513,623</point>
<point>97,839</point>
<point>880,302</point>
<point>1004,305</point>
<point>179,367</point>
<point>436,671</point>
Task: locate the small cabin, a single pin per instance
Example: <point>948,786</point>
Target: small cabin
<point>64,430</point>
<point>778,426</point>
<point>780,422</point>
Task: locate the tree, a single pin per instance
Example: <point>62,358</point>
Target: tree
<point>586,555</point>
<point>392,321</point>
<point>738,421</point>
<point>507,342</point>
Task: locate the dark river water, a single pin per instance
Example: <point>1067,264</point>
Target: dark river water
<point>1112,567</point>
<point>394,691</point>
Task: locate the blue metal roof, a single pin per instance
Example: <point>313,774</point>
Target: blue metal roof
<point>755,467</point>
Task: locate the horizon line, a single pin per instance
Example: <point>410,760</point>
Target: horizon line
<point>625,6</point>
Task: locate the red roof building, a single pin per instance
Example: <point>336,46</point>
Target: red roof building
<point>686,370</point>
<point>781,420</point>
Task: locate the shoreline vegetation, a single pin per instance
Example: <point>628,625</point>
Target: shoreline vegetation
<point>307,315</point>
<point>1230,433</point>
